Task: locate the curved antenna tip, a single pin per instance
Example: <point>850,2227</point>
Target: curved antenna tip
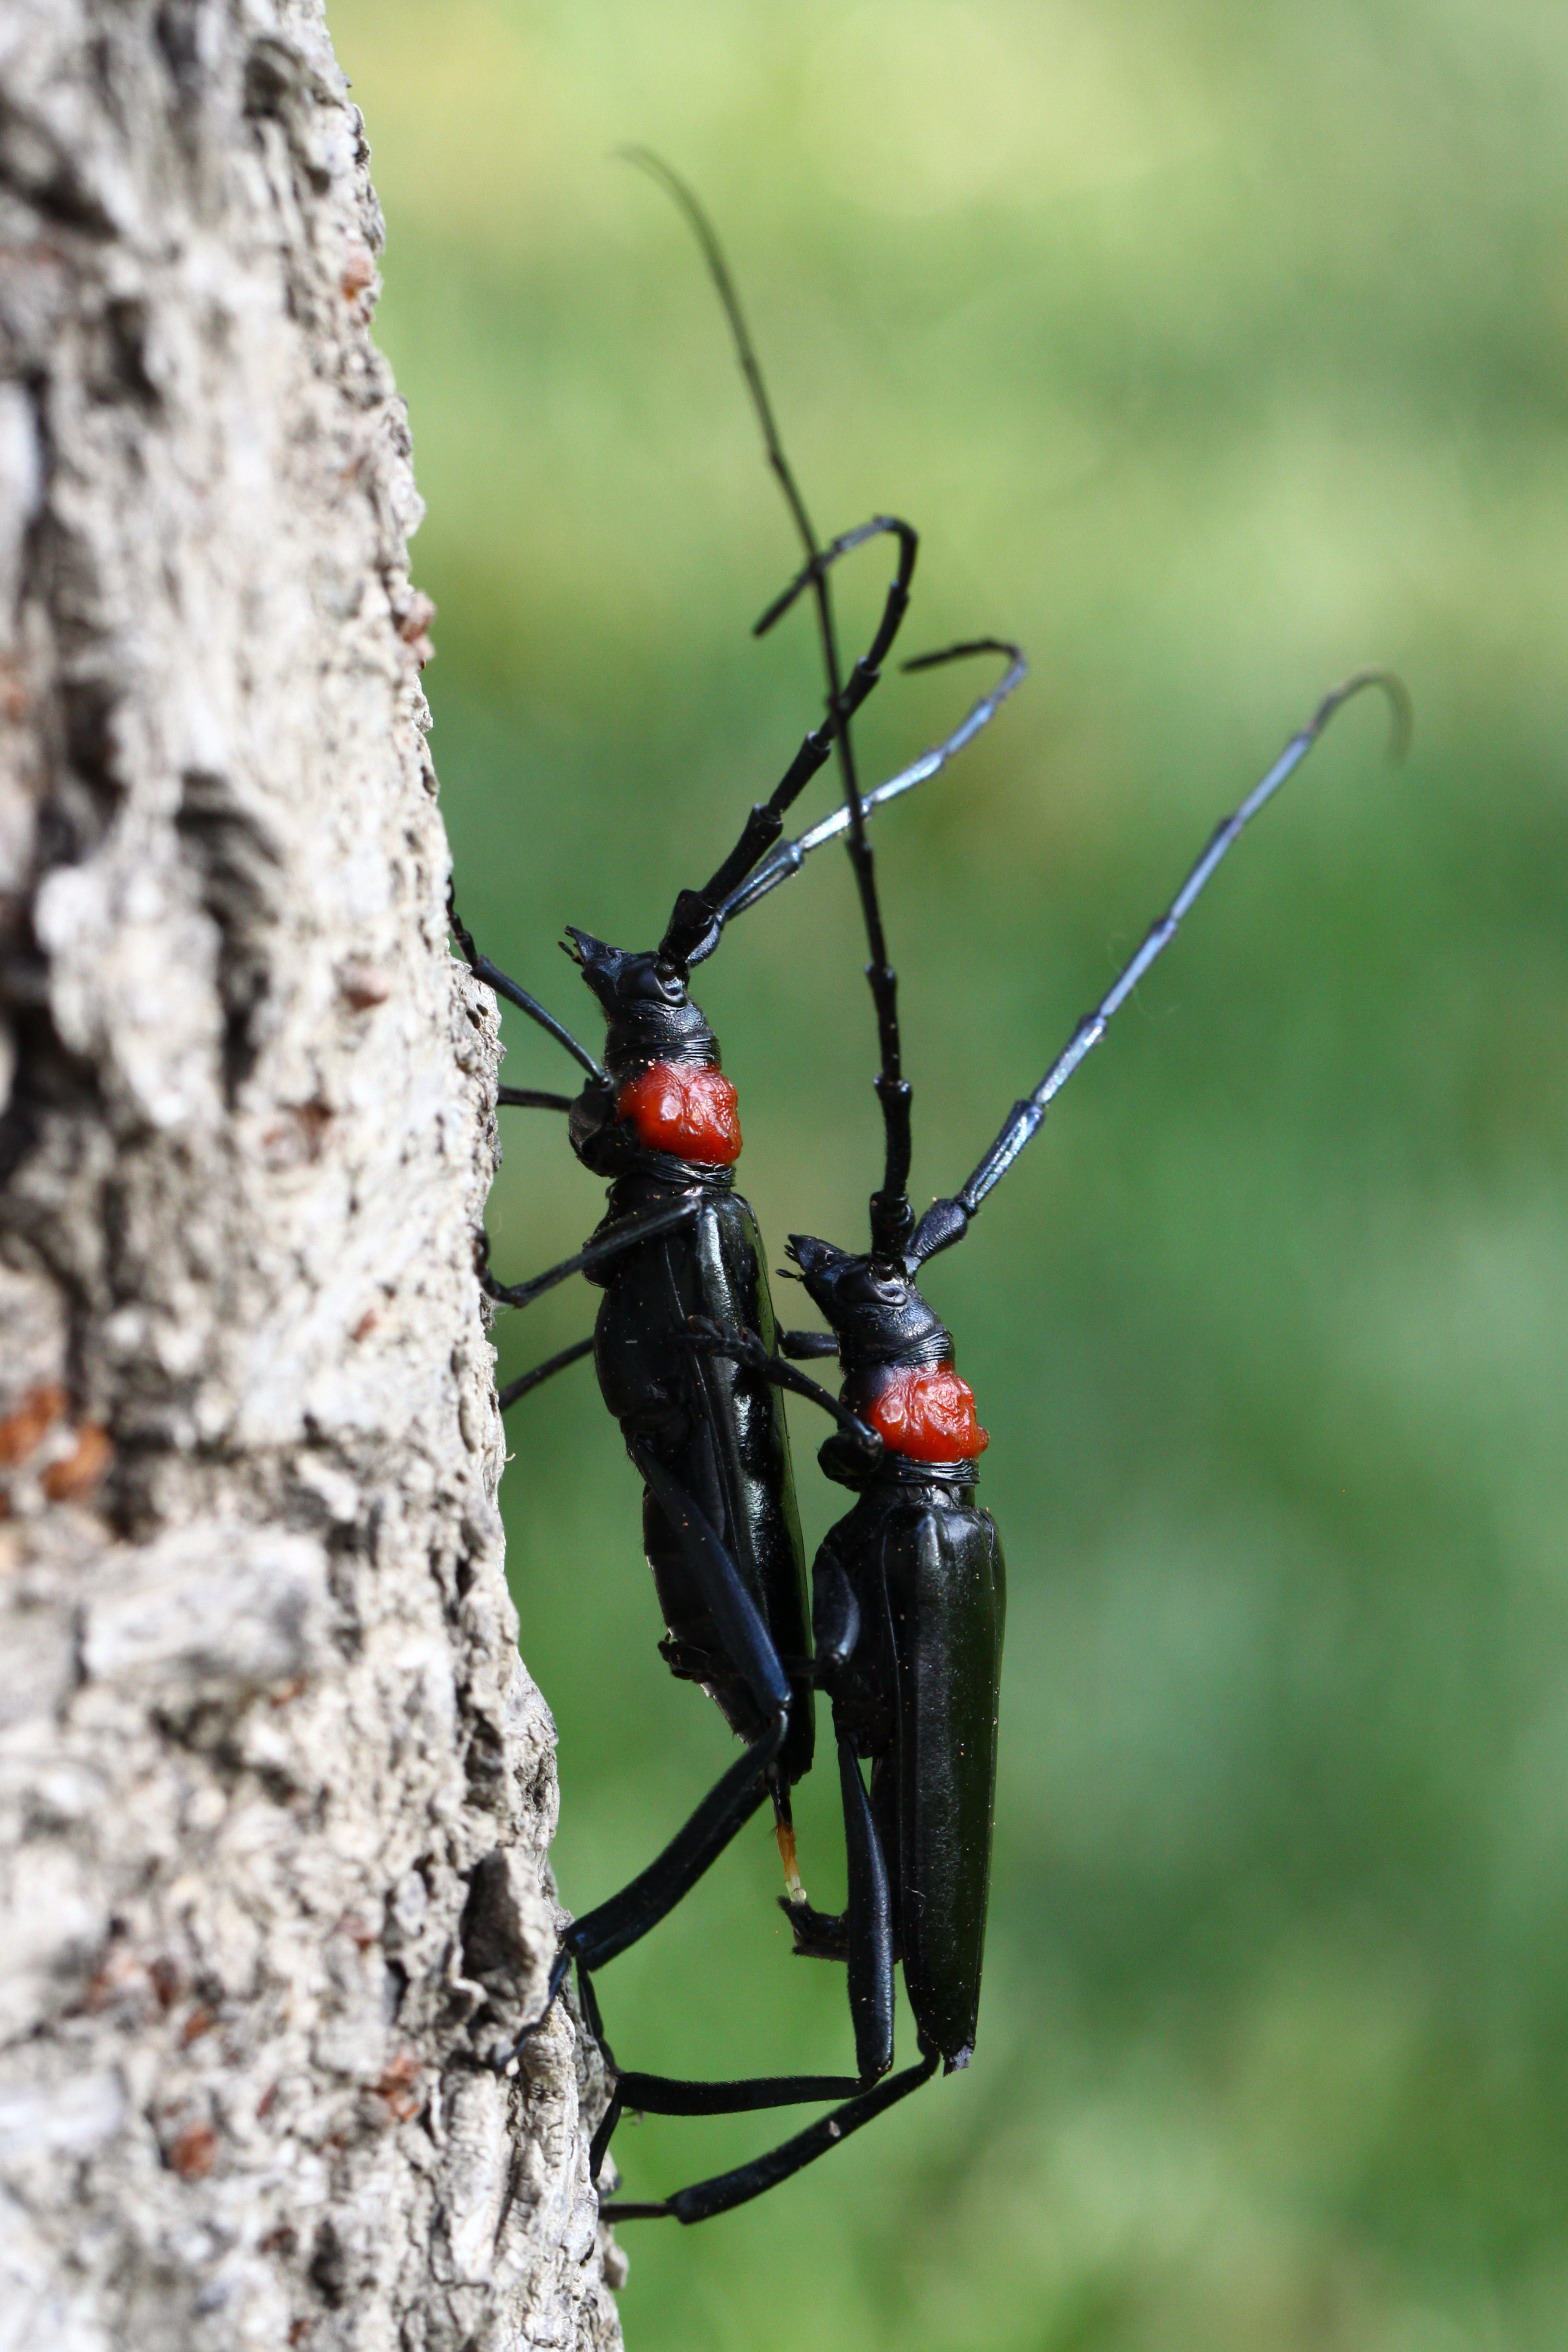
<point>1401,708</point>
<point>643,158</point>
<point>962,651</point>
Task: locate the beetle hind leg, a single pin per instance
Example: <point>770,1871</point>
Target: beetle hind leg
<point>726,2190</point>
<point>613,1925</point>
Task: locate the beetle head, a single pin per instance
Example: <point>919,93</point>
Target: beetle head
<point>650,1017</point>
<point>877,1314</point>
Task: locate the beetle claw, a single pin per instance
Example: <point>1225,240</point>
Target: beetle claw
<point>819,1935</point>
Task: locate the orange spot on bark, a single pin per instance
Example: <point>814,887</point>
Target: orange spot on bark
<point>399,2087</point>
<point>359,271</point>
<point>926,1413</point>
<point>194,2153</point>
<point>83,1469</point>
<point>686,1109</point>
<point>22,1432</point>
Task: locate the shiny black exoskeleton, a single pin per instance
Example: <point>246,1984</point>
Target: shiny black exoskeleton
<point>713,1432</point>
<point>908,1607</point>
<point>657,1120</point>
<point>678,1244</point>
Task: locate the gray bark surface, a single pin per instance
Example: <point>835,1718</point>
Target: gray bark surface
<point>275,1792</point>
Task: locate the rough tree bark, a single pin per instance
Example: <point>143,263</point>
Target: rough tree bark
<point>276,1792</point>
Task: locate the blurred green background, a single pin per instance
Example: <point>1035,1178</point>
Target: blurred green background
<point>1215,349</point>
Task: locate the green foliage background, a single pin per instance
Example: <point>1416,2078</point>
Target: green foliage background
<point>1215,348</point>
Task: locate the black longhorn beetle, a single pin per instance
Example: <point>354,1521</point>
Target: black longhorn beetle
<point>679,1245</point>
<point>908,1606</point>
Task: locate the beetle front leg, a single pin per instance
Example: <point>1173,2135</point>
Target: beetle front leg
<point>856,1446</point>
<point>527,1382</point>
<point>802,1345</point>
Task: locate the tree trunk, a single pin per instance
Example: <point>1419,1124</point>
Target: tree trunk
<point>276,1790</point>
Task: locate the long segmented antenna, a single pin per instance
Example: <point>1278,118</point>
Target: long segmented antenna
<point>788,858</point>
<point>891,1217</point>
<point>784,862</point>
<point>946,1221</point>
<point>691,933</point>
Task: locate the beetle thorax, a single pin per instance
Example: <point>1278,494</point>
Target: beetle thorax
<point>661,1057</point>
<point>896,1353</point>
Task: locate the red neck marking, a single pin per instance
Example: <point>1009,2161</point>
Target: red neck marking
<point>684,1108</point>
<point>925,1412</point>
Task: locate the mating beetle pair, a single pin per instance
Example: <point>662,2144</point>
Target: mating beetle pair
<point>907,1588</point>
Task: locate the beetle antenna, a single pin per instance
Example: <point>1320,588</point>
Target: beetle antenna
<point>698,918</point>
<point>789,856</point>
<point>891,1216</point>
<point>947,1221</point>
<point>740,334</point>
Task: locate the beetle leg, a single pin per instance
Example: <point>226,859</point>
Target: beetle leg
<point>614,1925</point>
<point>744,1347</point>
<point>607,1244</point>
<point>493,977</point>
<point>861,1934</point>
<point>729,2189</point>
<point>600,1935</point>
<point>870,1921</point>
<point>801,1344</point>
<point>835,1616</point>
<point>663,2094</point>
<point>527,1381</point>
<point>531,1098</point>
